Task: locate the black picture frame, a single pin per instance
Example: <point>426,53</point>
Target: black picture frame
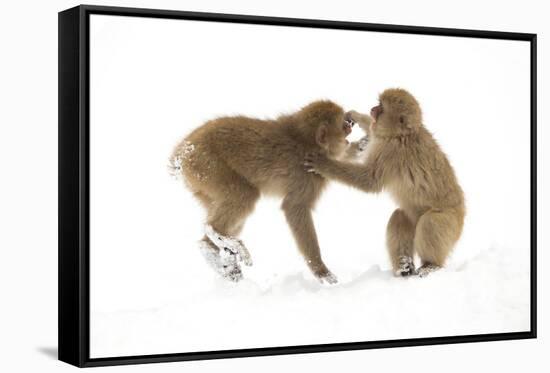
<point>74,304</point>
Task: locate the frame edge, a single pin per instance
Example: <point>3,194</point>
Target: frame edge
<point>533,77</point>
<point>304,22</point>
<point>70,264</point>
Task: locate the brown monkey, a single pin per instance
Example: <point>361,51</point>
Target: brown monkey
<point>229,161</point>
<point>404,159</point>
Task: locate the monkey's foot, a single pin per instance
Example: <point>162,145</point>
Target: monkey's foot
<point>230,245</point>
<point>225,265</point>
<point>426,269</point>
<point>327,277</point>
<point>406,266</point>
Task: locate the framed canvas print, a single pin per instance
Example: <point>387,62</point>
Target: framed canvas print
<point>235,186</point>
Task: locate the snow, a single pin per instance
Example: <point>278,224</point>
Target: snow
<point>406,266</point>
<point>329,278</point>
<point>222,263</point>
<point>174,167</point>
<point>182,153</point>
<point>224,243</point>
<point>487,294</point>
<point>426,270</point>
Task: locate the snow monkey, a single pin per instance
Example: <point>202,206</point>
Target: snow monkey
<point>403,158</point>
<point>228,162</point>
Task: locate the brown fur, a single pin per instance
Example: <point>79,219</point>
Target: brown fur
<point>404,159</point>
<point>229,161</point>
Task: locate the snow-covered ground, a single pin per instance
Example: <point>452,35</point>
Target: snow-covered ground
<point>488,294</point>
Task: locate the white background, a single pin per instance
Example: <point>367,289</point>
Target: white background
<point>154,80</point>
<point>28,161</point>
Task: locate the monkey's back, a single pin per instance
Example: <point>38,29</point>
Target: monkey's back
<point>261,151</point>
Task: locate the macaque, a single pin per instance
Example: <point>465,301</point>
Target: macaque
<point>403,158</point>
<point>228,162</point>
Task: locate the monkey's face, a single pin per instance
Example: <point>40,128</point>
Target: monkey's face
<point>385,120</point>
<point>397,114</point>
<point>377,120</point>
<point>347,125</point>
<point>393,119</point>
<point>376,111</point>
<point>332,136</point>
<point>340,143</point>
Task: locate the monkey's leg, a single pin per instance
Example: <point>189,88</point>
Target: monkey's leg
<point>222,251</point>
<point>203,199</point>
<point>228,199</point>
<point>399,239</point>
<point>224,264</point>
<point>298,216</point>
<point>220,260</point>
<point>436,234</point>
<point>227,217</point>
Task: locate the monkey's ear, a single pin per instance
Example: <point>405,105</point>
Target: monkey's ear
<point>321,136</point>
<point>404,122</point>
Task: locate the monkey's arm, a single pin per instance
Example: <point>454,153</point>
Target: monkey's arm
<point>363,120</point>
<point>297,209</point>
<point>366,177</point>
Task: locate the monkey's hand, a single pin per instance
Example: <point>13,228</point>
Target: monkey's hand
<point>316,162</point>
<point>362,143</point>
<point>364,120</point>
